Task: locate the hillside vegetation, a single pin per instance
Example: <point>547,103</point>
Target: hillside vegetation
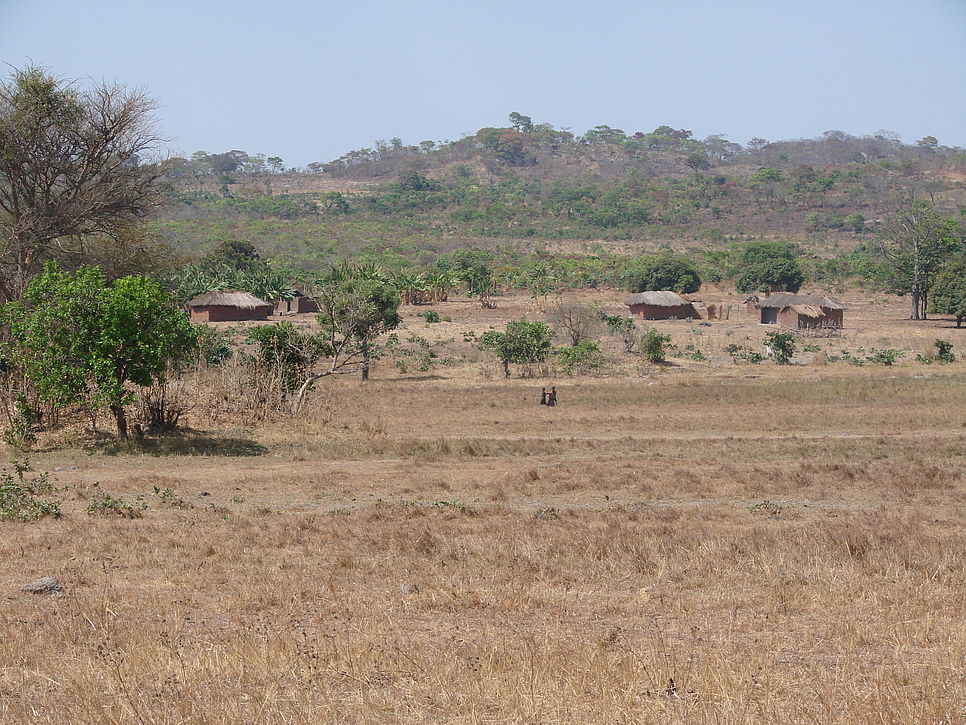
<point>533,187</point>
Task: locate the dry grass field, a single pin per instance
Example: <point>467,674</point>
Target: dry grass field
<point>700,543</point>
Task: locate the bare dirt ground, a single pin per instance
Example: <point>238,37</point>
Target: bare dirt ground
<point>703,542</point>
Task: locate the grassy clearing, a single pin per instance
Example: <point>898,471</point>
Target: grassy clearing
<point>722,545</point>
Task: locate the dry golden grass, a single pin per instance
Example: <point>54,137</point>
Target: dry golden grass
<point>708,544</point>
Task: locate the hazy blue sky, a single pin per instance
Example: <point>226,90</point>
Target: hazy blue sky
<point>308,81</point>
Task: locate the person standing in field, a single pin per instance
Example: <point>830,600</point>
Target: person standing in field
<point>543,396</point>
<point>552,398</point>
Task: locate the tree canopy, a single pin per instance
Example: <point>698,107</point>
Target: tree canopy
<point>948,293</point>
<point>82,340</point>
<point>914,245</point>
<point>767,267</point>
<point>520,342</point>
<point>664,273</point>
<point>77,170</point>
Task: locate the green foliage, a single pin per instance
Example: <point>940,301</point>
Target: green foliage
<point>944,351</point>
<point>886,357</point>
<point>948,293</point>
<point>104,504</point>
<point>767,267</point>
<point>354,311</point>
<point>83,341</point>
<point>521,342</point>
<point>431,316</point>
<point>739,353</point>
<point>583,358</point>
<point>234,254</point>
<point>213,344</point>
<point>914,246</point>
<point>23,498</point>
<point>262,281</point>
<point>20,434</point>
<point>622,328</point>
<point>285,350</point>
<point>782,346</point>
<point>652,346</point>
<point>665,272</point>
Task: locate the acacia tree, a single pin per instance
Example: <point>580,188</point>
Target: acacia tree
<point>915,245</point>
<point>83,341</point>
<point>74,169</point>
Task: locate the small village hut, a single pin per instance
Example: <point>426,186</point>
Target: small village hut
<point>229,306</point>
<point>299,304</point>
<point>801,311</point>
<point>662,305</point>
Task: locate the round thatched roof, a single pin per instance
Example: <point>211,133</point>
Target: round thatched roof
<point>658,299</point>
<point>229,298</point>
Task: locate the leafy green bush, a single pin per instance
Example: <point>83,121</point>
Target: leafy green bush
<point>782,346</point>
<point>664,273</point>
<point>944,351</point>
<point>431,316</point>
<point>652,346</point>
<point>739,352</point>
<point>20,497</point>
<point>104,504</point>
<point>582,358</point>
<point>884,357</point>
<point>214,345</point>
<point>20,434</point>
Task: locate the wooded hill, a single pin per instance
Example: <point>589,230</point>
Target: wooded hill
<point>534,187</point>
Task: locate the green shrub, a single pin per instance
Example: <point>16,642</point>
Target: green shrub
<point>739,352</point>
<point>20,497</point>
<point>104,504</point>
<point>582,358</point>
<point>944,351</point>
<point>652,346</point>
<point>431,316</point>
<point>884,357</point>
<point>214,345</point>
<point>782,345</point>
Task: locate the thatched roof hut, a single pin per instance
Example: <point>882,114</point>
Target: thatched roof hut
<point>801,311</point>
<point>228,306</point>
<point>660,305</point>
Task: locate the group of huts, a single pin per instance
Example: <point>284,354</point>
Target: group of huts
<point>796,311</point>
<point>238,306</point>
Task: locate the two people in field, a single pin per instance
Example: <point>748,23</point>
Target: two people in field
<point>548,398</point>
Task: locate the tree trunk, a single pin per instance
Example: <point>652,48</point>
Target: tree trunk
<point>365,361</point>
<point>915,303</point>
<point>506,368</point>
<point>118,411</point>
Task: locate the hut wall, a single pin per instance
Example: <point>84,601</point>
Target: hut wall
<point>304,305</point>
<point>655,312</point>
<point>223,313</point>
<point>789,318</point>
<point>769,315</point>
<point>833,318</point>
